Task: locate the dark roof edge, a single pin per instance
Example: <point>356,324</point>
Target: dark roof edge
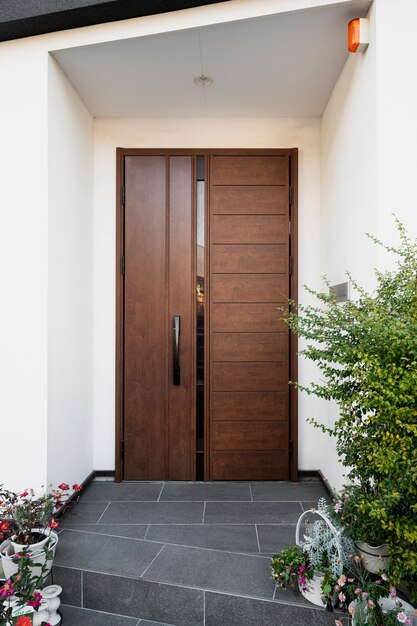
<point>99,13</point>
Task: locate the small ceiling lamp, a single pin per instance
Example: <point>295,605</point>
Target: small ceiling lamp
<point>358,35</point>
<point>203,81</point>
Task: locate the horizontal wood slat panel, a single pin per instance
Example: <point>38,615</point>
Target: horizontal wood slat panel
<point>258,259</point>
<point>249,229</point>
<point>249,318</point>
<point>249,377</point>
<point>250,170</point>
<point>249,287</point>
<point>249,405</point>
<point>259,435</point>
<point>250,200</point>
<point>252,465</point>
<point>250,347</point>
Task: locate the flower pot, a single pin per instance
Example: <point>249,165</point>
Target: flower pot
<point>50,595</point>
<point>386,604</point>
<point>375,559</point>
<point>313,592</point>
<point>33,547</point>
<point>39,557</point>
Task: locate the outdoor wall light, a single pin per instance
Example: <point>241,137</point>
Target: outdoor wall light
<point>358,35</point>
<point>203,81</point>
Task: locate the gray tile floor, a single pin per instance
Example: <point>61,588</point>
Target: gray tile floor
<point>182,554</point>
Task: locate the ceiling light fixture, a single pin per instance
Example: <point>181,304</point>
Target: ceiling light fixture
<point>203,81</point>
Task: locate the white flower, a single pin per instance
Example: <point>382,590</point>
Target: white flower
<point>402,617</point>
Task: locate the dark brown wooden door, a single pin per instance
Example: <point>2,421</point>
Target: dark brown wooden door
<point>249,348</point>
<point>248,403</point>
<point>158,285</point>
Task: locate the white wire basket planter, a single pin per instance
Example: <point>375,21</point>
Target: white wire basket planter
<point>324,544</point>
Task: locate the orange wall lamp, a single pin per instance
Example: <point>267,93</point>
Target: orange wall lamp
<point>358,34</point>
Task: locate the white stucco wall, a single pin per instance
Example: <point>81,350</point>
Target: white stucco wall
<point>348,195</point>
<point>191,133</point>
<point>396,119</point>
<point>70,282</point>
<point>23,266</point>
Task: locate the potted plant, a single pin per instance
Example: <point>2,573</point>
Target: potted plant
<point>367,351</point>
<point>291,568</point>
<point>21,601</point>
<point>30,520</point>
<point>352,509</point>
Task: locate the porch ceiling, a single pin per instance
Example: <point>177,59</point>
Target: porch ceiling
<point>281,65</point>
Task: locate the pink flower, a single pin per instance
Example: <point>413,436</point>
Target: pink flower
<point>338,622</point>
<point>402,617</point>
<point>77,488</point>
<point>36,601</point>
<point>63,487</point>
<point>358,591</point>
<point>337,507</point>
<point>7,590</point>
<point>53,523</point>
<point>371,604</point>
<point>393,592</point>
<point>341,597</point>
<point>365,594</point>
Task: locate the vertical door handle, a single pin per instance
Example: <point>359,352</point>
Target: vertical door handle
<point>176,331</point>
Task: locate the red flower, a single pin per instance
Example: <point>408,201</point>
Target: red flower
<point>53,523</point>
<point>36,601</point>
<point>4,526</point>
<point>24,621</point>
<point>77,488</point>
<point>63,486</point>
<point>24,494</point>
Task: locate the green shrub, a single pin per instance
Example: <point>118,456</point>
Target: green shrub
<point>367,351</point>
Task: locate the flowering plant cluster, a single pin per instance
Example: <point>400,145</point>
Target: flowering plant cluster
<point>366,351</point>
<point>291,567</point>
<point>366,598</point>
<point>23,587</point>
<point>21,513</point>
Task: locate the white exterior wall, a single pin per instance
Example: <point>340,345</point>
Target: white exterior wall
<point>70,283</point>
<point>396,119</point>
<point>192,133</point>
<point>348,196</point>
<point>23,263</point>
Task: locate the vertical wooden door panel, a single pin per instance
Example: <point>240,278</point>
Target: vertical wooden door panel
<point>145,318</point>
<point>180,409</point>
<point>249,248</point>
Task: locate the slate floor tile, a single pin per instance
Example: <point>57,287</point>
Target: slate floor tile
<point>85,513</point>
<point>274,538</point>
<point>100,553</point>
<point>206,491</point>
<point>147,623</point>
<point>154,513</point>
<point>212,569</point>
<point>222,610</point>
<point>252,512</point>
<point>166,604</point>
<point>73,616</point>
<point>231,538</point>
<point>135,531</point>
<point>70,581</point>
<point>282,491</point>
<point>121,491</point>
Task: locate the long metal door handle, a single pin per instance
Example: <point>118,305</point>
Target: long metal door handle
<point>176,331</point>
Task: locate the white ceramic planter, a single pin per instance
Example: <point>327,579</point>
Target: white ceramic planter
<point>34,547</point>
<point>313,592</point>
<point>375,559</point>
<point>39,557</point>
<point>51,597</point>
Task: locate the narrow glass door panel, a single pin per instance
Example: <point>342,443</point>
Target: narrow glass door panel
<point>200,290</point>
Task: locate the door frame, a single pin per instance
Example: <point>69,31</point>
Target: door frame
<point>293,279</point>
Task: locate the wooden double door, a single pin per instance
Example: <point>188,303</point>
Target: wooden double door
<point>206,254</point>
